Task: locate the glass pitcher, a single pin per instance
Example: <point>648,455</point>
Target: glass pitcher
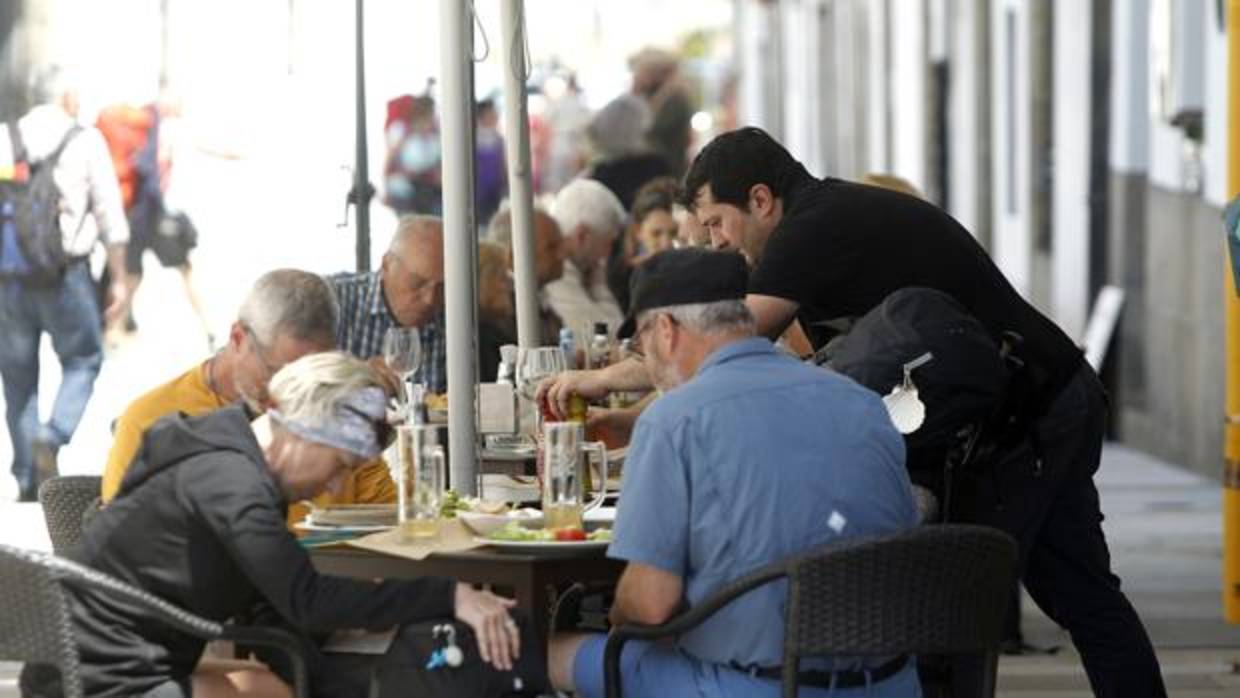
<point>564,474</point>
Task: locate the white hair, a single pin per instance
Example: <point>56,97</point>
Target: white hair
<point>311,388</point>
<point>715,317</point>
<point>291,302</point>
<point>589,203</point>
<point>49,83</point>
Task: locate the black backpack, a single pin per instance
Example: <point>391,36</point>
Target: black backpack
<point>965,387</point>
<point>31,247</point>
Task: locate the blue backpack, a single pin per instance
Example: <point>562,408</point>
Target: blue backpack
<point>31,246</point>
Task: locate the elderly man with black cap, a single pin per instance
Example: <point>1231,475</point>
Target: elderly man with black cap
<point>748,457</point>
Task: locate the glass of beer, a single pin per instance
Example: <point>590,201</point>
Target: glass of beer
<point>419,481</point>
<point>565,451</point>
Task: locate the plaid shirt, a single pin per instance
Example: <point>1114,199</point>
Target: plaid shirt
<point>364,318</point>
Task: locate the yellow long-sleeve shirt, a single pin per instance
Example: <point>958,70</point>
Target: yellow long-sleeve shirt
<point>190,393</point>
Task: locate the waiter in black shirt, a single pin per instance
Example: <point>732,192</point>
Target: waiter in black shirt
<point>820,250</point>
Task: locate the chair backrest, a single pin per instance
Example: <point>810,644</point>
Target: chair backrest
<point>931,590</point>
<point>66,500</point>
<point>34,615</point>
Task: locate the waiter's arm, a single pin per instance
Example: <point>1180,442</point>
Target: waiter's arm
<point>772,314</point>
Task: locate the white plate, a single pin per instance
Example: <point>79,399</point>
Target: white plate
<point>483,523</point>
<point>545,546</point>
<point>368,528</point>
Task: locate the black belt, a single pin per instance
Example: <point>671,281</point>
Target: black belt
<point>838,679</point>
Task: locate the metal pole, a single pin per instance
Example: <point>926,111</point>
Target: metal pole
<point>361,192</point>
<point>520,189</point>
<point>460,241</point>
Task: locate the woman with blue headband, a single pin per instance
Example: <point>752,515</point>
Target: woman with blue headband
<point>200,521</point>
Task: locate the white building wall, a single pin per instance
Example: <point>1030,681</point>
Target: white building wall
<point>1010,147</point>
<point>1070,265</point>
<point>909,100</point>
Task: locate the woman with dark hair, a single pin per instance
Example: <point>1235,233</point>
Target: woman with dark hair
<point>652,229</point>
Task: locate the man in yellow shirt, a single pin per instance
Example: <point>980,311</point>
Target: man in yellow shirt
<point>289,313</point>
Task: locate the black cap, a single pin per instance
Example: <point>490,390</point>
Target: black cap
<point>682,277</point>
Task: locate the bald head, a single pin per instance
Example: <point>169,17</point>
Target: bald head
<point>412,272</point>
<point>548,242</point>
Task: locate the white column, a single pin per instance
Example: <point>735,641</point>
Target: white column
<point>1070,216</point>
<point>878,81</point>
<point>909,96</point>
<point>1010,148</point>
<point>460,242</point>
<point>1214,146</point>
<point>965,112</point>
<point>1130,107</point>
<point>520,190</point>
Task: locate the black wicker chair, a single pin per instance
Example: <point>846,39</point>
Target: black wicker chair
<point>934,590</point>
<point>67,501</point>
<point>35,625</point>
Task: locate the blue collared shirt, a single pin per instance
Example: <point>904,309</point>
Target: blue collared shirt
<point>364,318</point>
<point>757,458</point>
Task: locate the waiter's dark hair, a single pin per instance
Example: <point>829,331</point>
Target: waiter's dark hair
<point>737,160</point>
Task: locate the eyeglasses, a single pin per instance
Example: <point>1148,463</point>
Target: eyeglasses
<point>268,365</point>
<point>637,335</point>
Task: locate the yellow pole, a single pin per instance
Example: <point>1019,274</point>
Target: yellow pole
<point>1231,428</point>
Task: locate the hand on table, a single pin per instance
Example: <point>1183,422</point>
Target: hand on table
<point>499,639</point>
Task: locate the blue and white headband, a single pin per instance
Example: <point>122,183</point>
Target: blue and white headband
<point>357,425</point>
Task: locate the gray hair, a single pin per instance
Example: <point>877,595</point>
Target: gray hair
<point>589,203</point>
<point>619,128</point>
<point>499,229</point>
<point>291,302</point>
<point>49,83</point>
<point>317,386</point>
<point>716,317</point>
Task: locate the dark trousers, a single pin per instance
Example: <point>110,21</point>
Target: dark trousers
<point>1042,492</point>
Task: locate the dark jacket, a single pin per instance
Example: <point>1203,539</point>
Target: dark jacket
<point>200,522</point>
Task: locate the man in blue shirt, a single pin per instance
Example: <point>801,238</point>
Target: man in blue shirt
<point>749,457</point>
<point>406,291</point>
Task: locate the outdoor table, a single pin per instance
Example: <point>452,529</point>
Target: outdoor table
<point>534,579</point>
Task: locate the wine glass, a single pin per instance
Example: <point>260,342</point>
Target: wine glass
<point>402,350</point>
<point>535,364</point>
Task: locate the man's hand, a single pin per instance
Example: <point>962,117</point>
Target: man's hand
<point>499,639</point>
<point>555,391</point>
<point>118,295</point>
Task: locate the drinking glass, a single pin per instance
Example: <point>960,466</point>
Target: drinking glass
<point>534,365</point>
<point>419,481</point>
<point>402,350</point>
<point>564,462</point>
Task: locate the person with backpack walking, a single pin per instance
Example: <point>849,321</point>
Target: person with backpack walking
<point>825,250</point>
<point>60,198</point>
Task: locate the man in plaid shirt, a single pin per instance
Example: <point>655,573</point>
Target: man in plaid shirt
<point>406,291</point>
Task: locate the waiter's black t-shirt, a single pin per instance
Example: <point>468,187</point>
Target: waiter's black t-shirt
<point>842,247</point>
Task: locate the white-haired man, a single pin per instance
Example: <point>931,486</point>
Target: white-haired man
<point>63,302</point>
<point>406,291</point>
<point>590,217</point>
<point>749,457</point>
